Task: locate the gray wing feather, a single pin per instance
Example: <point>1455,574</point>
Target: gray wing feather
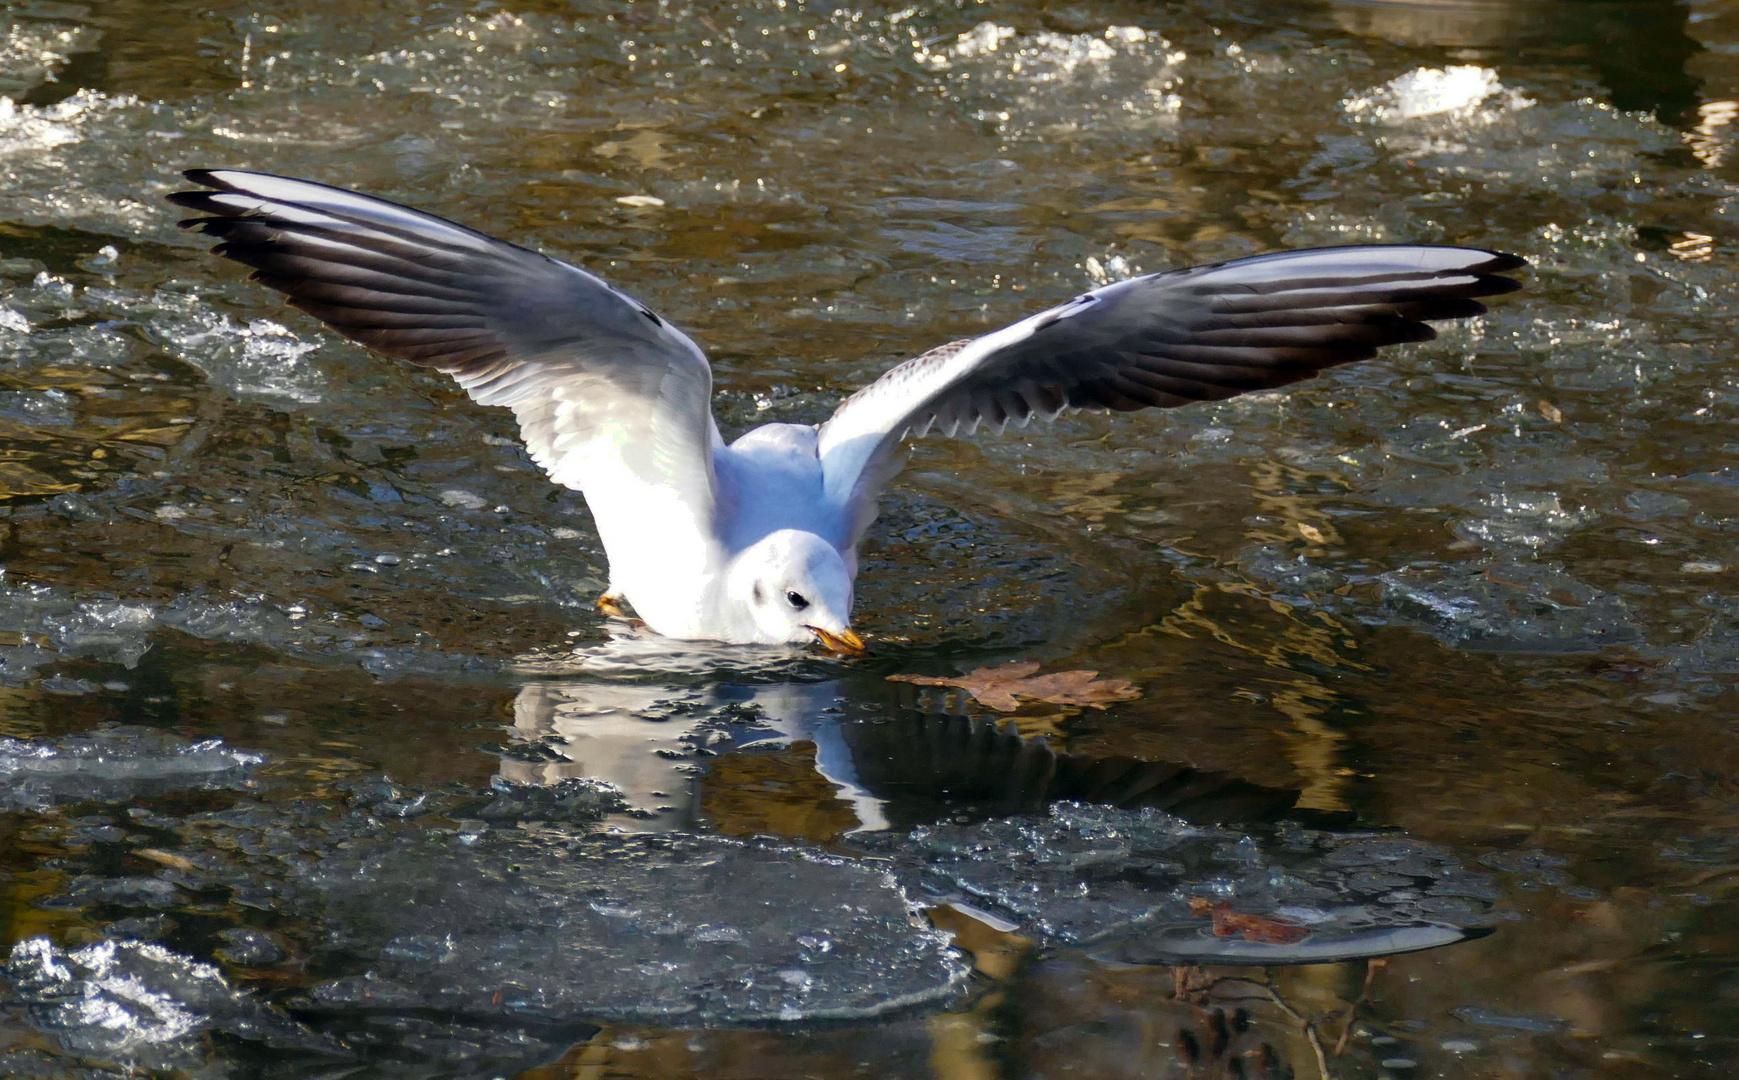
<point>1200,334</point>
<point>611,399</point>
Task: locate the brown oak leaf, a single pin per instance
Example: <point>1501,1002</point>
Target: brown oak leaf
<point>1258,928</point>
<point>998,687</point>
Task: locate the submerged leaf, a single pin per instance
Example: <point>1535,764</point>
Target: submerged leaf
<point>1257,928</point>
<point>998,687</point>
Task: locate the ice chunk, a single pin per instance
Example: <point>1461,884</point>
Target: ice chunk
<point>628,928</point>
<point>262,359</point>
<point>1531,520</point>
<point>112,764</point>
<point>537,925</point>
<point>29,128</point>
<point>1028,83</point>
<point>107,630</point>
<point>1456,91</point>
<point>577,800</point>
<point>250,948</point>
<point>574,801</point>
<point>236,620</point>
<point>1124,881</point>
<point>1508,607</point>
<point>459,498</point>
<point>131,892</point>
<point>141,1004</point>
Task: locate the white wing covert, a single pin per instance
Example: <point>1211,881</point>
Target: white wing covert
<point>1205,333</point>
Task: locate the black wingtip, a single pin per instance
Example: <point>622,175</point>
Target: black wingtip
<point>199,201</point>
<point>189,200</point>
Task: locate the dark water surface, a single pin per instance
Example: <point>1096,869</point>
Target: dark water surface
<point>1477,601</point>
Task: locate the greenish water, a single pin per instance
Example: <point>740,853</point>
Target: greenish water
<point>1483,591</point>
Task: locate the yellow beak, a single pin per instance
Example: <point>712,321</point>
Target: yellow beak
<point>845,642</point>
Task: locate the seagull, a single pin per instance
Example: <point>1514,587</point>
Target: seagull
<point>756,542</point>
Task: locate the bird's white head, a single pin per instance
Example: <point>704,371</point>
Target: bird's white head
<point>795,588</point>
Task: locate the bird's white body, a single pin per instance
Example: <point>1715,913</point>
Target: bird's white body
<point>756,542</point>
<point>770,482</point>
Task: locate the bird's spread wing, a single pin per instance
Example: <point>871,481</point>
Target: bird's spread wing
<point>1201,334</point>
<point>611,399</point>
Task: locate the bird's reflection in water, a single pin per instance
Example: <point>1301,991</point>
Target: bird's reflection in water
<point>649,716</point>
<point>650,741</point>
<point>745,755</point>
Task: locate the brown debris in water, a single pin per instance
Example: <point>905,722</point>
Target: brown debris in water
<point>1257,928</point>
<point>998,687</point>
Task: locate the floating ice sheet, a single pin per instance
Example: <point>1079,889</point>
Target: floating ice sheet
<point>1026,83</point>
<point>436,900</point>
<point>496,927</point>
<point>141,1004</point>
<point>112,764</point>
<point>682,930</point>
<point>1124,881</point>
<point>459,928</point>
<point>1509,607</point>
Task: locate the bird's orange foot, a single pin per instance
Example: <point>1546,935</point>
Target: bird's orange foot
<point>611,606</point>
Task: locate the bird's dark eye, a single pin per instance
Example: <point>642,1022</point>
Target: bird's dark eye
<point>797,600</point>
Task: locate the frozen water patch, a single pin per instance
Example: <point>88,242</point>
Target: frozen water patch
<point>32,129</point>
<point>515,917</point>
<point>230,620</point>
<point>50,625</point>
<point>260,360</point>
<point>689,929</point>
<point>1715,650</point>
<point>1464,92</point>
<point>58,159</point>
<point>1123,879</point>
<point>1531,520</point>
<point>573,801</point>
<point>1502,606</point>
<point>140,1004</point>
<point>1061,82</point>
<point>102,629</point>
<point>489,939</point>
<point>113,764</point>
<point>547,925</point>
<point>1508,607</point>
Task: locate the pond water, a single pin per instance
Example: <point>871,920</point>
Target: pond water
<point>317,760</point>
